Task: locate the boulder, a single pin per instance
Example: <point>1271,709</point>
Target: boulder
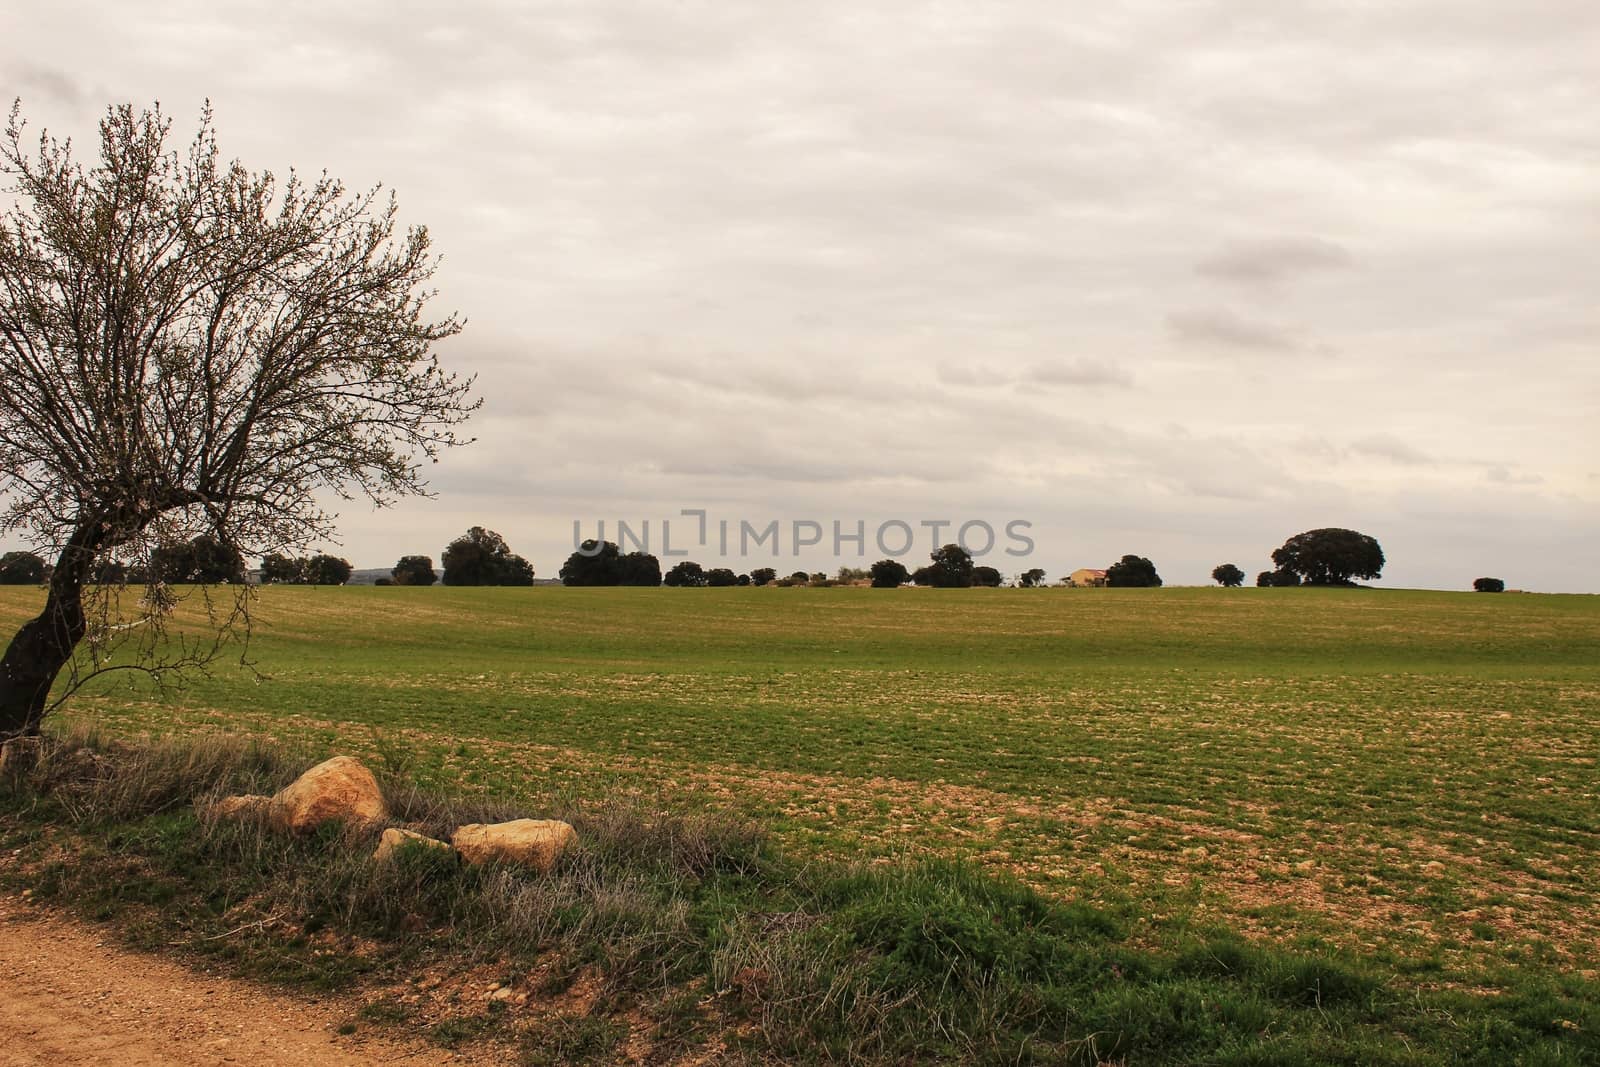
<point>396,838</point>
<point>336,790</point>
<point>249,804</point>
<point>535,843</point>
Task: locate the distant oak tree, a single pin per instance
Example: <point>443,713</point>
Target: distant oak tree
<point>21,568</point>
<point>1228,575</point>
<point>414,570</point>
<point>323,569</point>
<point>206,560</point>
<point>1133,572</point>
<point>602,563</point>
<point>888,574</point>
<point>686,573</point>
<point>950,567</point>
<point>1330,556</point>
<point>278,569</point>
<point>592,563</point>
<point>482,557</point>
<point>188,347</point>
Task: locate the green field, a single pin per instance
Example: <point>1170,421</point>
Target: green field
<point>1408,775</point>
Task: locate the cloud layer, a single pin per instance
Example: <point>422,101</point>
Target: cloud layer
<point>1179,280</point>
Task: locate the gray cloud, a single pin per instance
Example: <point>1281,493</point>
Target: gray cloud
<point>1499,475</point>
<point>1226,329</point>
<point>1389,447</point>
<point>52,84</point>
<point>1079,372</point>
<point>1275,260</point>
<point>972,376</point>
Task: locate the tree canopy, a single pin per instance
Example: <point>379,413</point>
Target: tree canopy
<point>206,560</point>
<point>1479,585</point>
<point>1330,556</point>
<point>482,557</point>
<point>948,568</point>
<point>414,570</point>
<point>1133,572</point>
<point>603,563</point>
<point>21,568</point>
<point>1277,579</point>
<point>278,569</point>
<point>321,569</point>
<point>686,573</point>
<point>1228,575</point>
<point>189,347</point>
<point>1031,578</point>
<point>888,574</point>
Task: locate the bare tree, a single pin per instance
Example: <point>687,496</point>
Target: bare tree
<point>188,347</point>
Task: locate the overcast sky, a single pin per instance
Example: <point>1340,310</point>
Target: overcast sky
<point>1172,278</point>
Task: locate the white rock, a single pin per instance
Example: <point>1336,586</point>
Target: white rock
<point>536,843</point>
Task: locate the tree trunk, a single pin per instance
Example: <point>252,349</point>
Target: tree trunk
<point>44,646</point>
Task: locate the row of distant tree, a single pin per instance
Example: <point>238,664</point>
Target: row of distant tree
<point>951,567</point>
<point>1327,556</point>
<point>604,563</point>
<point>477,557</point>
<point>203,561</point>
<point>1316,557</point>
<point>481,557</point>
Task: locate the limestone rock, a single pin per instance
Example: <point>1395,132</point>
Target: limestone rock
<point>396,838</point>
<point>336,790</point>
<point>535,843</point>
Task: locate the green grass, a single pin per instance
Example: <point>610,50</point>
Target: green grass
<point>1408,777</point>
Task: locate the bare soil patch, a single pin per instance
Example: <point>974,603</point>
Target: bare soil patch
<point>72,998</point>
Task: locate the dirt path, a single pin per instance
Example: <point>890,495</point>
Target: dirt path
<point>68,996</point>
